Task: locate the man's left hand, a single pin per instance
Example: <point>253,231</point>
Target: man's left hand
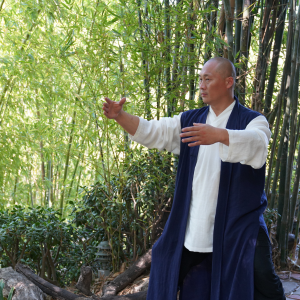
<point>204,134</point>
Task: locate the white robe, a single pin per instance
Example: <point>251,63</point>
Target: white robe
<point>249,146</point>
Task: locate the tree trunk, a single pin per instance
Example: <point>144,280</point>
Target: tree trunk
<point>134,271</point>
<point>85,280</point>
<point>47,287</point>
<point>61,294</point>
<point>137,296</point>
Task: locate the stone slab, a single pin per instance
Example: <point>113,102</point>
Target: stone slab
<point>294,297</point>
<point>284,275</point>
<point>289,286</point>
<point>295,276</point>
<point>297,292</point>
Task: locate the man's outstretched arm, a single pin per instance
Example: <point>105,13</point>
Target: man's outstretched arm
<point>114,110</point>
<point>160,134</point>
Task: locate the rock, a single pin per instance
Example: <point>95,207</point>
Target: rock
<point>141,286</point>
<point>85,280</point>
<point>295,276</point>
<point>289,286</point>
<point>293,297</point>
<point>24,289</point>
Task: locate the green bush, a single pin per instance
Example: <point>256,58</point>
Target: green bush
<point>128,212</point>
<point>38,238</point>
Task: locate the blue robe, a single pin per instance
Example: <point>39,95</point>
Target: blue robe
<point>240,206</point>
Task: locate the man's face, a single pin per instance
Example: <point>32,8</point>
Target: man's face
<point>212,85</point>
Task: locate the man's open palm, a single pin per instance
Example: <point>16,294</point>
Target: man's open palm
<point>111,108</point>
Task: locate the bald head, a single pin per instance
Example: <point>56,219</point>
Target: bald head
<point>224,67</point>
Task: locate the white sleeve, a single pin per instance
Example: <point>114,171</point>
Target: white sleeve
<point>249,146</point>
<point>160,134</point>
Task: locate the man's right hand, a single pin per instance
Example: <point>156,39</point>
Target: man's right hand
<point>111,108</point>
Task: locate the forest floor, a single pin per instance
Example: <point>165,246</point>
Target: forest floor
<point>290,281</point>
<point>136,286</point>
<point>291,284</point>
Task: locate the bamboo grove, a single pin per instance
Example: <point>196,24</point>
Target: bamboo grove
<point>60,58</point>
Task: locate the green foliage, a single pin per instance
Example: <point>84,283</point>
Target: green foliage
<point>125,211</point>
<point>58,60</point>
<point>1,292</point>
<point>38,238</point>
<point>270,216</point>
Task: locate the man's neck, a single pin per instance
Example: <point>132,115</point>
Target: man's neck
<point>221,106</point>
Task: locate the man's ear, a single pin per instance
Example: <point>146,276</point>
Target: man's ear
<point>229,82</point>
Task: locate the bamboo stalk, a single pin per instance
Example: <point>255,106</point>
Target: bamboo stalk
<point>175,68</point>
<point>145,63</point>
<point>283,87</point>
<point>1,5</point>
<point>168,56</point>
<point>229,28</point>
<point>245,32</point>
<point>61,205</point>
<point>275,58</point>
<point>272,154</point>
<point>191,64</point>
<point>293,143</point>
<point>289,106</point>
<point>73,176</point>
<point>238,28</point>
<point>15,188</point>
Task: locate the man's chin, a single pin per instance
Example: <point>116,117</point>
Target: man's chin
<point>206,100</point>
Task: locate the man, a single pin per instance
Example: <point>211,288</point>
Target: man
<point>215,244</point>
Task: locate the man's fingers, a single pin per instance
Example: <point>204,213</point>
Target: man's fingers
<point>122,101</point>
<point>194,144</point>
<point>189,133</point>
<point>190,139</point>
<point>108,100</point>
<point>192,128</point>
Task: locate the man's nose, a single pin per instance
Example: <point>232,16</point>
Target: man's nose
<point>202,85</point>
